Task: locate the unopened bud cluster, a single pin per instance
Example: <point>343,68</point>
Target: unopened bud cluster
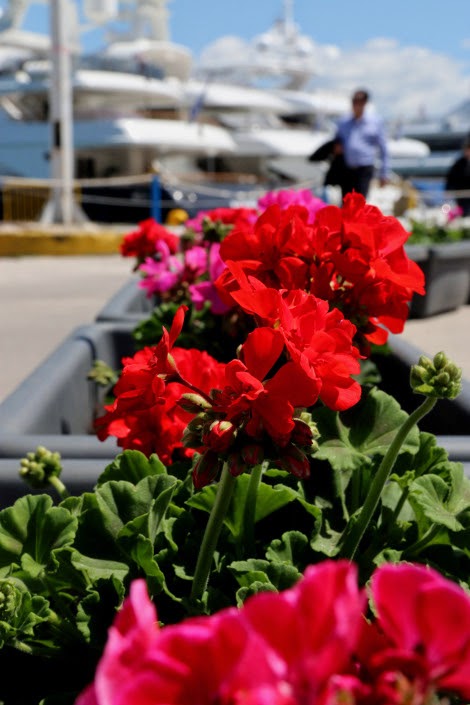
<point>219,440</point>
<point>439,377</point>
<point>10,600</point>
<point>37,468</point>
<point>215,230</point>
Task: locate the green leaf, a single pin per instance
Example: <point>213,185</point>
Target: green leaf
<point>280,575</point>
<point>430,459</point>
<point>253,589</point>
<point>350,439</point>
<point>122,502</point>
<point>327,541</point>
<point>98,568</point>
<point>268,500</point>
<point>33,526</point>
<point>132,466</point>
<point>292,548</point>
<point>443,503</point>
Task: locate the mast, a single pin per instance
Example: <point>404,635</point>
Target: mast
<point>289,14</point>
<point>13,14</point>
<point>61,207</point>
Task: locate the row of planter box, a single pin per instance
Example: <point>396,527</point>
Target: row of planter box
<point>446,268</point>
<point>56,404</point>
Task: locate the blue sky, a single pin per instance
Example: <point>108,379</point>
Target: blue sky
<point>415,56</point>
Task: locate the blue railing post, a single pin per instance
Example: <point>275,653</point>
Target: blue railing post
<point>156,198</point>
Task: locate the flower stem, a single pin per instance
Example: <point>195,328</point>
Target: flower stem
<point>424,541</point>
<point>212,532</point>
<point>247,537</point>
<point>59,486</point>
<point>357,530</point>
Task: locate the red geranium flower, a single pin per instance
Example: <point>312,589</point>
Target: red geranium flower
<point>141,243</point>
<point>361,267</point>
<point>271,249</point>
<point>146,414</point>
<point>319,341</point>
<point>353,257</point>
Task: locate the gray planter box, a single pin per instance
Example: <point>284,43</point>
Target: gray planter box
<point>56,403</point>
<point>129,304</point>
<point>446,268</point>
<point>79,475</point>
<point>449,420</point>
<point>55,407</point>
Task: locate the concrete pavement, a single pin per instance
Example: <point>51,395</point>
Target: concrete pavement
<point>43,298</point>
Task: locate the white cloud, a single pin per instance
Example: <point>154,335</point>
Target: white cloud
<point>404,80</point>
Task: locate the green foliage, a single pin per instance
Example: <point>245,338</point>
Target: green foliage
<point>425,234</point>
<point>219,336</point>
<point>65,569</point>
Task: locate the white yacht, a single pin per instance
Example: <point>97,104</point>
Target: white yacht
<point>285,60</point>
<point>137,108</point>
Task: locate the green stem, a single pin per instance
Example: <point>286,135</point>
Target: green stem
<point>247,538</point>
<point>353,538</point>
<point>422,543</point>
<point>212,532</point>
<point>59,486</point>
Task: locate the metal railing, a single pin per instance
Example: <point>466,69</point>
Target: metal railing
<point>23,200</point>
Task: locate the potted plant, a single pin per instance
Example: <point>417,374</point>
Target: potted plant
<point>254,500</point>
<point>443,252</point>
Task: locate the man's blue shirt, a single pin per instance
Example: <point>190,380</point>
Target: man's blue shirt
<point>361,139</point>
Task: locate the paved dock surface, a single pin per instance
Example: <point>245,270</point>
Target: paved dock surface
<point>43,298</point>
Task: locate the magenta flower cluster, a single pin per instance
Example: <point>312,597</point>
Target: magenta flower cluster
<point>198,266</point>
<point>325,641</point>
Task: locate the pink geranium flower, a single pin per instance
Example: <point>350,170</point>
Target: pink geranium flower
<point>205,290</point>
<point>195,260</point>
<point>280,649</point>
<point>162,274</point>
<point>291,197</point>
<point>310,644</point>
<point>424,621</point>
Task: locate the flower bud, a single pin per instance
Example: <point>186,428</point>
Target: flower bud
<point>190,439</point>
<point>235,464</point>
<point>206,469</point>
<point>252,454</point>
<point>38,467</point>
<point>219,436</point>
<point>194,403</point>
<point>305,434</point>
<point>295,461</point>
<point>439,378</point>
<point>197,423</point>
<point>215,230</point>
<point>10,600</point>
<point>102,374</point>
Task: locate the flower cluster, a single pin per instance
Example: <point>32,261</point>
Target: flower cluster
<point>142,243</point>
<point>321,641</point>
<point>353,257</point>
<point>318,285</point>
<point>185,268</point>
<point>244,410</point>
